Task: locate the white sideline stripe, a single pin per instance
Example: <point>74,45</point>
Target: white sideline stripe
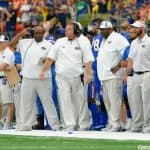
<point>81,134</point>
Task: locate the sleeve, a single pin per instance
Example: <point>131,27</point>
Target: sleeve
<point>19,46</point>
<point>9,57</point>
<point>54,51</point>
<point>122,44</point>
<point>88,55</point>
<point>132,51</point>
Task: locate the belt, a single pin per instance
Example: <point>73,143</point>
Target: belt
<point>1,77</point>
<point>141,72</point>
<point>130,75</point>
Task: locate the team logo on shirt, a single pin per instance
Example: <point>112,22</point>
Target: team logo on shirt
<point>77,48</point>
<point>109,42</point>
<point>43,48</point>
<point>143,46</point>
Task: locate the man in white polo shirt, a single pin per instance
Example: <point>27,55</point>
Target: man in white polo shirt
<point>34,52</point>
<point>109,55</point>
<point>70,54</point>
<point>6,92</point>
<point>139,59</point>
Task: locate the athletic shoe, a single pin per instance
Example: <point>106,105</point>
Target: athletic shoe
<point>135,129</point>
<point>128,124</point>
<point>146,130</point>
<point>24,128</point>
<point>117,129</point>
<point>6,126</point>
<point>108,127</point>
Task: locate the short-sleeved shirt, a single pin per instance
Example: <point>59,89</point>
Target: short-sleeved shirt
<point>70,56</point>
<point>7,57</point>
<point>109,55</point>
<point>33,55</point>
<point>140,54</point>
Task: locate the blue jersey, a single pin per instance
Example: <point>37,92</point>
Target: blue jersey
<point>17,57</point>
<point>95,48</point>
<point>126,35</point>
<point>51,39</point>
<point>126,53</point>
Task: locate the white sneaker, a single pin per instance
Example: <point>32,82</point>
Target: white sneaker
<point>135,129</point>
<point>24,128</point>
<point>1,125</point>
<point>108,127</point>
<point>117,129</point>
<point>82,129</point>
<point>128,124</point>
<point>6,126</point>
<point>146,130</point>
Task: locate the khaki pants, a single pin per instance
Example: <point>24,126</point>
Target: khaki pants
<point>112,94</point>
<point>30,88</point>
<point>141,101</point>
<point>72,103</point>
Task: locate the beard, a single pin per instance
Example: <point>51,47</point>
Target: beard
<point>139,32</point>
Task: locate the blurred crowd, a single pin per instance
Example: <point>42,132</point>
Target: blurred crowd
<point>15,13</point>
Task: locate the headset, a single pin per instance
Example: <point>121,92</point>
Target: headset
<point>77,30</point>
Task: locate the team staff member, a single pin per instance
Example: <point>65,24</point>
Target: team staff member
<point>127,89</point>
<point>69,54</point>
<point>109,55</point>
<point>6,92</point>
<point>33,52</point>
<point>139,57</point>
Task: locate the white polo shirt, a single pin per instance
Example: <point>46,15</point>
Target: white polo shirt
<point>86,40</point>
<point>109,55</point>
<point>140,54</point>
<point>70,56</point>
<point>6,56</point>
<point>33,54</point>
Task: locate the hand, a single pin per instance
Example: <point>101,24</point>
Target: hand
<point>124,79</point>
<point>41,75</point>
<point>115,69</point>
<point>8,68</point>
<point>87,78</point>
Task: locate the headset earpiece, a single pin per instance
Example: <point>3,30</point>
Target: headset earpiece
<point>77,31</point>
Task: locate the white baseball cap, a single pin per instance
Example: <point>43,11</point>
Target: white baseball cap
<point>3,38</point>
<point>105,25</point>
<point>138,24</point>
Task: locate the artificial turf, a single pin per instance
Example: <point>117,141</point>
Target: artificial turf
<point>55,143</point>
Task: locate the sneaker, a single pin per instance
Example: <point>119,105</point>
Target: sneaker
<point>128,124</point>
<point>6,126</point>
<point>146,130</point>
<point>1,127</point>
<point>135,129</point>
<point>116,129</point>
<point>82,129</point>
<point>108,127</point>
<point>69,129</point>
<point>56,129</point>
<point>24,128</point>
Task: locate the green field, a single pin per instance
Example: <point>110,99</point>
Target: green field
<point>55,143</point>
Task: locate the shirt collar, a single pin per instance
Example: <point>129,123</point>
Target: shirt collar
<point>38,42</point>
<point>143,39</point>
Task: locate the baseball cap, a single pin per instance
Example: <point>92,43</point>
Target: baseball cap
<point>105,25</point>
<point>3,38</point>
<point>138,24</point>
